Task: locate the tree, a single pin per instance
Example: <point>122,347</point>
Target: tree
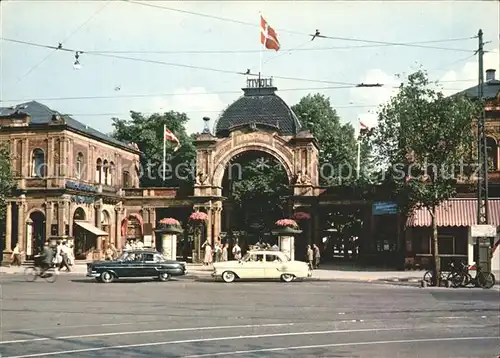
<point>147,133</point>
<point>7,182</point>
<point>337,141</point>
<point>427,140</point>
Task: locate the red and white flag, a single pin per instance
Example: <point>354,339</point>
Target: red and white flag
<point>170,137</point>
<point>268,37</point>
<point>363,126</point>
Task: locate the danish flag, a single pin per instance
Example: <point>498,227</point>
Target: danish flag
<point>170,137</point>
<point>362,125</point>
<point>268,37</point>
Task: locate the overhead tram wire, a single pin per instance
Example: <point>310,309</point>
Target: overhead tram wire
<point>33,68</point>
<point>301,33</point>
<point>177,64</point>
<point>151,95</point>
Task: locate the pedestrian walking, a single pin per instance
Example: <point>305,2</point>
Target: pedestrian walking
<point>15,258</point>
<point>236,252</point>
<point>310,256</point>
<point>217,251</point>
<point>64,253</point>
<point>225,252</point>
<point>317,256</point>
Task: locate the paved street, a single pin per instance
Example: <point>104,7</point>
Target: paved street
<point>76,317</point>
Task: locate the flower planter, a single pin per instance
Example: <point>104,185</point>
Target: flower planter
<point>286,230</point>
<point>169,229</point>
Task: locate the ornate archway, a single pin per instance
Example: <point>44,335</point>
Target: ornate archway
<point>35,233</point>
<point>259,121</point>
<point>83,242</point>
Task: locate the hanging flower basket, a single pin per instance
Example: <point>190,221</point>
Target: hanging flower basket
<point>301,215</point>
<point>169,226</point>
<point>286,227</point>
<point>197,218</point>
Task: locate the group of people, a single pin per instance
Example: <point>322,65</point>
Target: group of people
<point>219,252</point>
<point>134,245</point>
<point>61,256</point>
<point>313,256</point>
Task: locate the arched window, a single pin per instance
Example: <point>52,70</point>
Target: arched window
<point>79,165</point>
<point>105,168</point>
<point>126,179</point>
<point>111,173</point>
<point>492,149</point>
<point>38,164</point>
<point>98,171</point>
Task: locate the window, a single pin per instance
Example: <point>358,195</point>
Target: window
<point>492,152</point>
<point>111,173</point>
<point>126,179</point>
<point>158,258</point>
<point>38,164</point>
<point>105,167</point>
<point>98,171</point>
<point>446,245</point>
<point>79,165</point>
<point>272,258</point>
<point>148,257</point>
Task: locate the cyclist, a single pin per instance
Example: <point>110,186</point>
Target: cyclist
<point>46,257</point>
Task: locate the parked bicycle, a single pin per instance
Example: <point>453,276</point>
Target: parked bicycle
<point>31,273</point>
<point>460,277</point>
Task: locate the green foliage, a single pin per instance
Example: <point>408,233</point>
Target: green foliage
<point>426,140</point>
<point>147,133</point>
<point>337,141</point>
<point>7,182</point>
<point>258,192</point>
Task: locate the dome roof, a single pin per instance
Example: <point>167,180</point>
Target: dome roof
<point>259,107</point>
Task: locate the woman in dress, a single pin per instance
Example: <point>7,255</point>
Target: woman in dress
<point>208,253</point>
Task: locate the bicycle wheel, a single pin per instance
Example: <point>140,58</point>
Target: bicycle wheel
<point>468,280</point>
<point>50,276</point>
<point>428,278</point>
<point>455,279</point>
<point>486,279</point>
<point>31,273</point>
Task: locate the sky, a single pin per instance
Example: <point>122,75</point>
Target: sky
<point>178,58</point>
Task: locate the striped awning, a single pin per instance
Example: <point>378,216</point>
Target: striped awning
<point>456,212</point>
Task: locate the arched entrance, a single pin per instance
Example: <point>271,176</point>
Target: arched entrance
<point>106,226</point>
<point>261,122</point>
<point>83,240</point>
<point>36,234</point>
<point>132,228</point>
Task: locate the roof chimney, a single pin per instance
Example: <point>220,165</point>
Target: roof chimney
<point>490,75</point>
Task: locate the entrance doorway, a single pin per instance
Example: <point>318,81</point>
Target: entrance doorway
<point>84,242</point>
<point>38,234</point>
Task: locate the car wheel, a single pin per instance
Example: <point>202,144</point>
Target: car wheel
<point>164,276</point>
<point>286,277</point>
<point>228,276</point>
<point>107,277</point>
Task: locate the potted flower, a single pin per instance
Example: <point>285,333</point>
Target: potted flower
<point>286,227</point>
<point>301,215</point>
<point>169,225</point>
<point>198,217</point>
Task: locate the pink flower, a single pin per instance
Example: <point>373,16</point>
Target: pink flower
<point>287,223</point>
<point>198,216</point>
<point>170,221</point>
<point>301,215</point>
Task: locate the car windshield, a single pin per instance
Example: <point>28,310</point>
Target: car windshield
<point>253,256</point>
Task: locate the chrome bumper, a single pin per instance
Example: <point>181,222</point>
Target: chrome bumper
<point>93,274</point>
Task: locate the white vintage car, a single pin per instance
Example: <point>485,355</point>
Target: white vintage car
<point>262,264</point>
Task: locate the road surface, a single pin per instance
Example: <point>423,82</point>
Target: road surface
<point>77,317</point>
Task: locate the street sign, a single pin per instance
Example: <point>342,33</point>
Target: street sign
<point>384,208</point>
<point>483,231</point>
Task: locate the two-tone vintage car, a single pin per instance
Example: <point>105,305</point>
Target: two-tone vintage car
<point>262,264</point>
<point>136,264</point>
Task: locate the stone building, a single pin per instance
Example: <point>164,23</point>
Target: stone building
<point>69,180</point>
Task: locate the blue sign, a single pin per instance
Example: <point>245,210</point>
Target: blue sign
<point>384,208</point>
<point>82,187</point>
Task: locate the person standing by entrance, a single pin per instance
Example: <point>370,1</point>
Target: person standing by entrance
<point>237,251</point>
<point>225,252</point>
<point>310,256</point>
<point>317,256</point>
<point>208,253</point>
<point>15,258</point>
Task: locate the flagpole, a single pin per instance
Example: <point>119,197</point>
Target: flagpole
<point>358,159</point>
<point>260,47</point>
<point>164,151</point>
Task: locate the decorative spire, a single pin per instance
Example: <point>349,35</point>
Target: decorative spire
<point>206,129</point>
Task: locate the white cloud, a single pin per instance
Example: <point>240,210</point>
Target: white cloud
<point>196,102</point>
<point>373,96</point>
<point>467,76</point>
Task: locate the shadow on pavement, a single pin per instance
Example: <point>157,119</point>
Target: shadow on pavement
<point>124,280</point>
